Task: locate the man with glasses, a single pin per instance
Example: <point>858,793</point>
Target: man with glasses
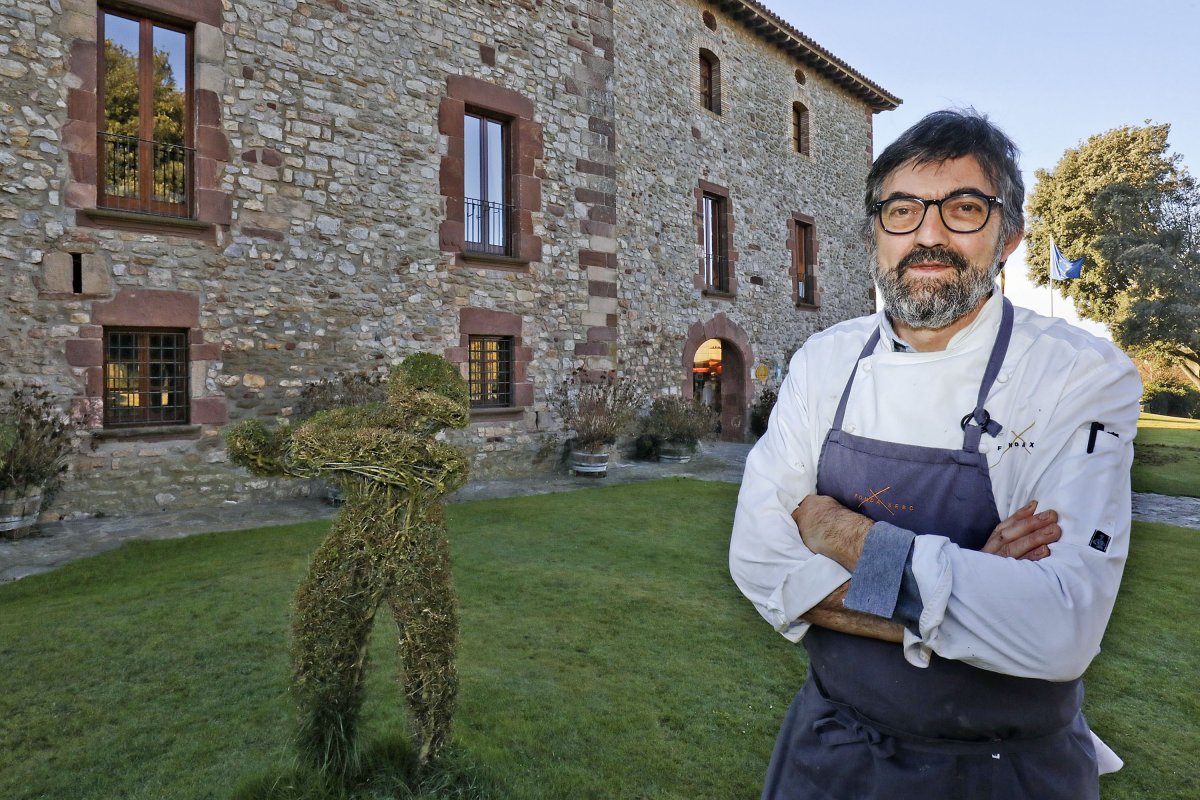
<point>940,507</point>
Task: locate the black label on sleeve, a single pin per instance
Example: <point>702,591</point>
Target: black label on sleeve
<point>1100,541</point>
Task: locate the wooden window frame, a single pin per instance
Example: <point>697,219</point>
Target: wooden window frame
<point>145,417</point>
<point>144,202</point>
<point>723,241</point>
<point>802,244</point>
<point>801,131</point>
<point>710,81</point>
<point>482,246</point>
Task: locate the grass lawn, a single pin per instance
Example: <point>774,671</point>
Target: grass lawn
<point>1167,456</point>
<point>605,654</point>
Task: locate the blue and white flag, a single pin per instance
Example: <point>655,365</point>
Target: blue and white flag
<point>1060,268</point>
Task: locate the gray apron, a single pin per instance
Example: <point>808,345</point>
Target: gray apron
<point>867,724</point>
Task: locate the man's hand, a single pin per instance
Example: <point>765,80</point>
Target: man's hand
<point>830,529</point>
<point>1025,535</point>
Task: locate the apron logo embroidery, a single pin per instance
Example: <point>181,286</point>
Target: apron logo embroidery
<point>1018,442</point>
<point>1100,541</point>
<point>873,498</point>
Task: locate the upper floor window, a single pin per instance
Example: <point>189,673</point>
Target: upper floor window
<point>488,213</point>
<point>716,243</point>
<point>145,146</point>
<point>804,260</point>
<point>490,370</point>
<point>145,377</point>
<point>800,128</point>
<point>710,81</point>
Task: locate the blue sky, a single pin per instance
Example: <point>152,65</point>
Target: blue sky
<point>1050,73</point>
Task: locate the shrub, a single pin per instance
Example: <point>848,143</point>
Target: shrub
<point>1172,397</point>
<point>596,408</point>
<point>35,439</point>
<point>679,422</point>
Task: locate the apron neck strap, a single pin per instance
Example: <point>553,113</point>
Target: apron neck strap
<point>982,420</point>
<point>868,348</point>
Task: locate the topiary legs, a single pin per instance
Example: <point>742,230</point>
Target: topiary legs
<point>352,573</point>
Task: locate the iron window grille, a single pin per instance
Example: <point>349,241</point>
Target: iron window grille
<point>490,369</point>
<point>145,377</point>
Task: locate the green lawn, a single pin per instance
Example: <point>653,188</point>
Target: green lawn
<point>605,655</point>
<point>1167,456</point>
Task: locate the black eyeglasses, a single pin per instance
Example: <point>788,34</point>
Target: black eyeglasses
<point>964,212</point>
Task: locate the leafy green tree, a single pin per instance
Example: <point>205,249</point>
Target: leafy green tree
<point>1132,211</point>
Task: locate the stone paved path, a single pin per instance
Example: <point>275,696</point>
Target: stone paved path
<point>57,543</point>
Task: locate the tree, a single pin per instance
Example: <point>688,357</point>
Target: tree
<point>1132,211</point>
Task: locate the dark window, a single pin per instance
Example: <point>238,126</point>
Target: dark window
<point>145,377</point>
<point>485,185</point>
<point>145,108</point>
<point>716,243</point>
<point>800,128</point>
<point>710,82</point>
<point>490,366</point>
<point>804,273</point>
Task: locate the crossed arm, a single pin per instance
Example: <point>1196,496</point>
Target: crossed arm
<point>830,529</point>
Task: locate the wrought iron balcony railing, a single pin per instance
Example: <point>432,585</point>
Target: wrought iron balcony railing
<point>488,227</point>
<point>146,176</point>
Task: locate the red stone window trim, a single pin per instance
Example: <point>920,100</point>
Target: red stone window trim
<point>479,325</point>
<point>802,244</point>
<point>524,152</point>
<point>717,265</point>
<point>151,311</point>
<point>209,206</point>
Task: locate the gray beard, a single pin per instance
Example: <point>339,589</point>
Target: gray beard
<point>935,306</point>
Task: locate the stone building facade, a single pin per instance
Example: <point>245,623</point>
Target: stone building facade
<point>532,185</point>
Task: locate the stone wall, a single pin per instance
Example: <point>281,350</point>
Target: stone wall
<point>671,145</point>
<point>326,147</point>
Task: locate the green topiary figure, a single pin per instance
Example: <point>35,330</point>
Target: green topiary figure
<point>387,544</point>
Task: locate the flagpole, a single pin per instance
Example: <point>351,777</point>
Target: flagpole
<point>1052,277</point>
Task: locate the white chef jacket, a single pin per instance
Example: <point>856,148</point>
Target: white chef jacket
<point>1036,619</point>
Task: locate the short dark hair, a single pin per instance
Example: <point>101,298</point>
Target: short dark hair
<point>949,134</point>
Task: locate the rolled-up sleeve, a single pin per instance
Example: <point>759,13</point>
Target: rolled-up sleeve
<point>767,558</point>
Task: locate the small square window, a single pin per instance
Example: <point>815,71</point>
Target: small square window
<point>490,370</point>
<point>145,377</point>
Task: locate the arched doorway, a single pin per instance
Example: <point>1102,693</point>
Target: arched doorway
<point>716,357</point>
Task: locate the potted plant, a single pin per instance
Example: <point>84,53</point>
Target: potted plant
<point>676,425</point>
<point>35,439</point>
<point>595,408</point>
